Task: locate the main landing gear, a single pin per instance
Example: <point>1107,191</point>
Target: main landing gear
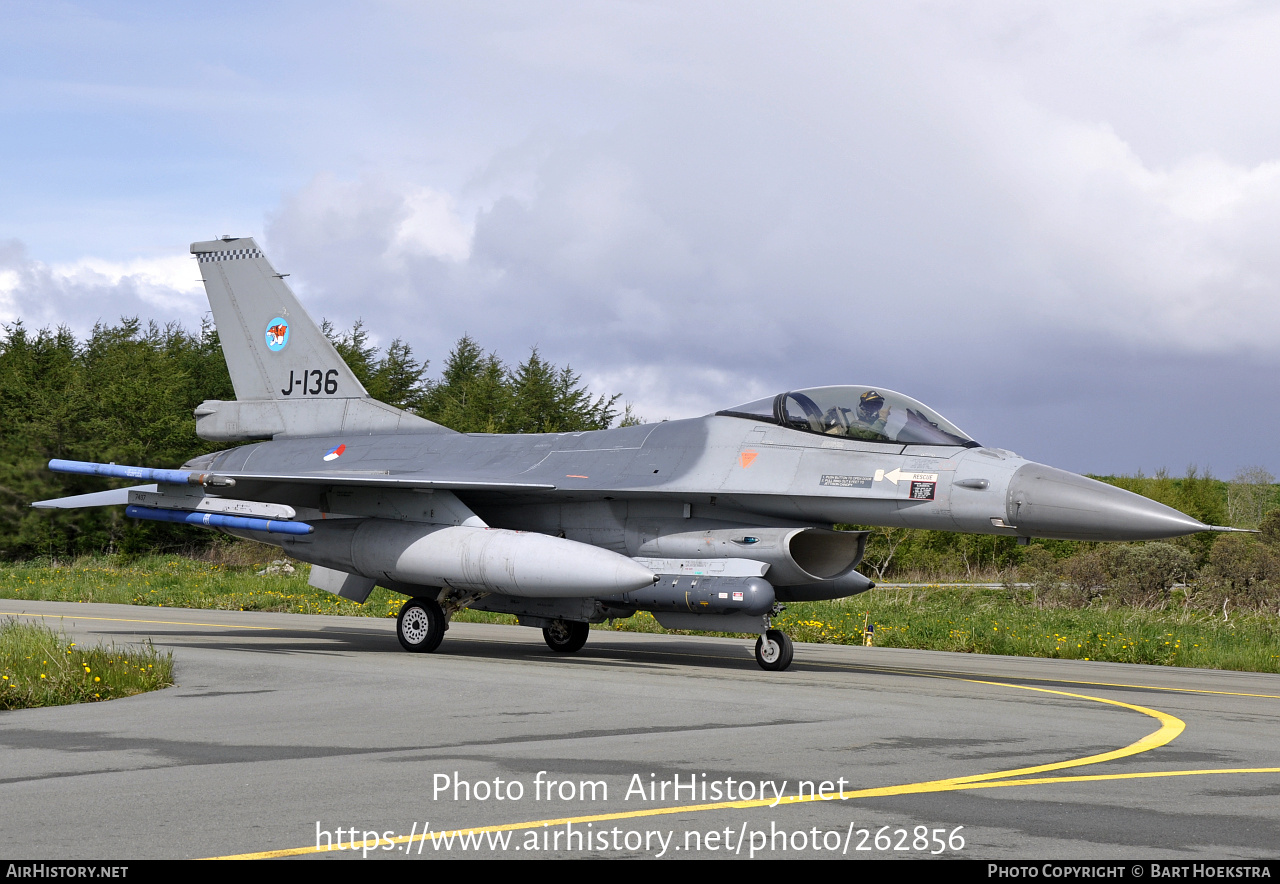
<point>421,625</point>
<point>774,650</point>
<point>566,636</point>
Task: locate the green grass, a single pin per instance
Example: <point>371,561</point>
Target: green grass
<point>179,582</point>
<point>991,621</point>
<point>39,667</point>
<point>986,621</point>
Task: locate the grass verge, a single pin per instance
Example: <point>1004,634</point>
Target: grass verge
<point>42,668</point>
<point>993,621</point>
<point>966,619</point>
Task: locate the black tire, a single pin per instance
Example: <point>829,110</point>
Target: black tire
<point>420,626</point>
<point>774,651</point>
<point>566,636</point>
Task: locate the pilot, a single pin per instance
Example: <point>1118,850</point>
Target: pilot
<point>872,410</point>
<point>884,420</point>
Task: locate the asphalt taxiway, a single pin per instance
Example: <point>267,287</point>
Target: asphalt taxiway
<point>290,732</point>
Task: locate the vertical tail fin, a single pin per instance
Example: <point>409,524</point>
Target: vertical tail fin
<point>289,379</point>
<point>273,348</point>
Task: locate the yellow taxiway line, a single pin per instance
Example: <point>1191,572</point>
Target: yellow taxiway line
<point>1170,728</point>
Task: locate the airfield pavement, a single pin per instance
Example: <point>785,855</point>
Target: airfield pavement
<point>285,728</point>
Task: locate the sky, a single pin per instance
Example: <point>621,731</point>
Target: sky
<point>1056,224</point>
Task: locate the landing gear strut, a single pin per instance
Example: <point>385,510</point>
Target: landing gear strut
<point>421,625</point>
<point>774,650</point>
<point>566,636</point>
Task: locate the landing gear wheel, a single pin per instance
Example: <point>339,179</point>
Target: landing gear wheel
<point>566,636</point>
<point>774,650</point>
<point>420,626</point>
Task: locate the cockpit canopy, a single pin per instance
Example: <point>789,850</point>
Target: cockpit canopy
<point>873,414</point>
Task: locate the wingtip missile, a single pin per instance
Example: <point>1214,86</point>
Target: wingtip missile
<point>144,474</point>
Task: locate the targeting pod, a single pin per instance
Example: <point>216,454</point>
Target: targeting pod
<point>694,594</point>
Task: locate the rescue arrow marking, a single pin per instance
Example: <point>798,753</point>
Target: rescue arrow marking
<point>896,475</point>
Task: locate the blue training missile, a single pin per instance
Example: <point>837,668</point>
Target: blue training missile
<point>117,471</point>
<point>217,520</point>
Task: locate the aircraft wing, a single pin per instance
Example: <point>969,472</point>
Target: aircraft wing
<point>384,479</point>
<point>354,478</point>
<point>173,499</point>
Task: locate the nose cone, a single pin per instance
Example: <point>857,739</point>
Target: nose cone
<point>1044,502</point>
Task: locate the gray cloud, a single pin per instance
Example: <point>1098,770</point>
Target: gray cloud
<point>1053,224</point>
<point>81,293</point>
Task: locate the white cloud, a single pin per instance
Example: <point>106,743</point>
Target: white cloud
<point>432,227</point>
<point>82,292</point>
<point>171,285</point>
<point>1169,257</point>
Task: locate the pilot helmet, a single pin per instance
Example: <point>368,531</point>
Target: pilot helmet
<point>869,405</point>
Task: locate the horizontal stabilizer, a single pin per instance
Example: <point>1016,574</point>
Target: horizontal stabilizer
<point>114,497</point>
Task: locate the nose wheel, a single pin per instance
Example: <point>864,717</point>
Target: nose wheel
<point>774,650</point>
<point>566,636</point>
<point>421,625</point>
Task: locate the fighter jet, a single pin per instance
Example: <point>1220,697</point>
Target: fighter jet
<point>711,523</point>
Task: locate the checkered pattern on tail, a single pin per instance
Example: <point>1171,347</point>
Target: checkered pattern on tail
<point>228,255</point>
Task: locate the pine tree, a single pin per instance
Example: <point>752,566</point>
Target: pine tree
<point>473,394</point>
<point>396,378</point>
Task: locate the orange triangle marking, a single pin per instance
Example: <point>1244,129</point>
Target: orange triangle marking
<point>746,458</point>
